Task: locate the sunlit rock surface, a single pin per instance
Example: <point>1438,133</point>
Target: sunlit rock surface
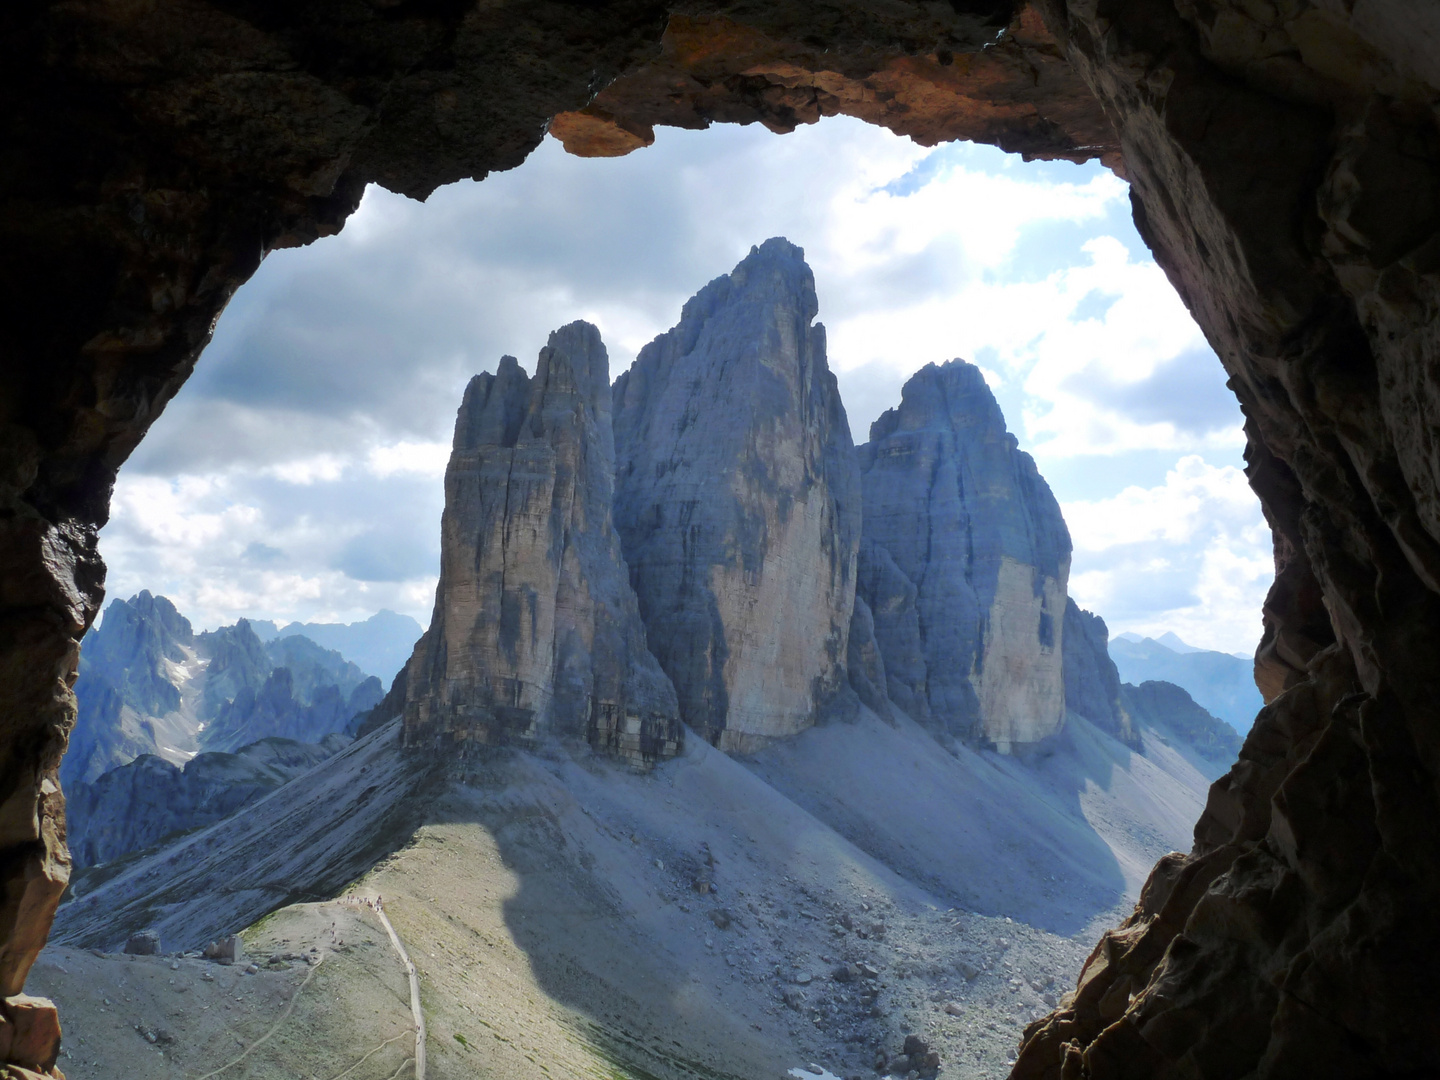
<point>536,632</point>
<point>964,564</point>
<point>738,503</point>
<point>1017,93</point>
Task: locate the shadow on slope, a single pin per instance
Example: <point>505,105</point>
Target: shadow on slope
<point>571,919</point>
<point>1055,841</point>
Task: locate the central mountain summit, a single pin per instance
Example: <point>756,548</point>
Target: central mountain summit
<point>702,545</point>
<point>738,501</point>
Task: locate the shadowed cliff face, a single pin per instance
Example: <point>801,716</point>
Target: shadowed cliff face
<point>1286,174</point>
<point>964,564</point>
<point>535,632</point>
<point>737,500</point>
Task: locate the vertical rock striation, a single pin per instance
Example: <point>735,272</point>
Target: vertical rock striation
<point>1092,682</point>
<point>536,630</point>
<point>964,564</point>
<point>738,504</point>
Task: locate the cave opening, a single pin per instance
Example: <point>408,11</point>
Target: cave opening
<point>1283,163</point>
<point>297,475</point>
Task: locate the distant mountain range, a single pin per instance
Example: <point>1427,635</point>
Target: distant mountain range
<point>1224,684</point>
<point>380,644</point>
<point>155,697</point>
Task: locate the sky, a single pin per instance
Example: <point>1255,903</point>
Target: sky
<point>298,475</point>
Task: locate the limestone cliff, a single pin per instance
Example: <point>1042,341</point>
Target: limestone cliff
<point>536,630</point>
<point>964,564</point>
<point>737,501</point>
<point>1092,683</point>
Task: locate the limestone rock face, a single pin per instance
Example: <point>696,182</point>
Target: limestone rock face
<point>536,630</point>
<point>964,564</point>
<point>1092,682</point>
<point>738,504</point>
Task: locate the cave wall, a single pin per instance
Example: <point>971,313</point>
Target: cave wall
<point>1285,165</point>
<point>1285,170</point>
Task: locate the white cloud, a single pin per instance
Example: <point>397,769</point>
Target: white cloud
<point>299,473</point>
<point>1192,555</point>
<point>419,458</point>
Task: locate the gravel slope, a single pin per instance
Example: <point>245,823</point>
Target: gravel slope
<point>717,918</point>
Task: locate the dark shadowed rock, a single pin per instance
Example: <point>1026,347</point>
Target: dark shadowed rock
<point>536,630</point>
<point>964,563</point>
<point>866,665</point>
<point>740,529</point>
<point>1092,685</point>
<point>1168,709</point>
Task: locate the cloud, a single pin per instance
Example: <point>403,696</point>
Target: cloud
<point>1192,555</point>
<point>299,473</point>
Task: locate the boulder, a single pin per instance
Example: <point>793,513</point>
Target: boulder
<point>33,1027</point>
<point>536,632</point>
<point>145,943</point>
<point>741,531</point>
<point>227,950</point>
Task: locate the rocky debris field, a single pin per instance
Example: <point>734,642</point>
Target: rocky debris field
<point>825,903</point>
<point>318,992</point>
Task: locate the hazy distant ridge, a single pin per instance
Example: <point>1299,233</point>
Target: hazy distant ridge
<point>1223,684</point>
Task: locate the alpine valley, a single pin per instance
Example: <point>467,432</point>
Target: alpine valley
<point>731,747</point>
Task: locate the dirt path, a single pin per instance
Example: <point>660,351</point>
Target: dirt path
<point>326,1001</point>
<point>284,1016</point>
<point>378,909</point>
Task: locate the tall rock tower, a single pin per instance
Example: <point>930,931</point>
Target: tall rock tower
<point>536,631</point>
<point>963,564</point>
<point>737,499</point>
